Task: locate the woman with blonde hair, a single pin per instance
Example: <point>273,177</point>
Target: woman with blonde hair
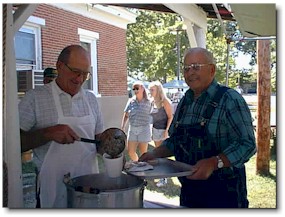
<point>137,111</point>
<point>162,116</point>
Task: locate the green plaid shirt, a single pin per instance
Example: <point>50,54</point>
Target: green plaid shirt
<point>230,125</point>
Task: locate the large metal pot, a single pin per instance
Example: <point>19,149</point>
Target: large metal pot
<point>101,191</point>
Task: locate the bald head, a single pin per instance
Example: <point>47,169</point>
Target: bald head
<point>65,54</point>
<point>73,66</point>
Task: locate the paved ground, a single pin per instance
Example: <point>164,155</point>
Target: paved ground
<point>159,197</point>
<point>29,190</point>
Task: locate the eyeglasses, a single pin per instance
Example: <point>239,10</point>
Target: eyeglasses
<point>195,67</point>
<point>136,88</point>
<point>86,75</point>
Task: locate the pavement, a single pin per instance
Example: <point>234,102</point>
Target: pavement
<point>156,197</point>
<point>29,190</point>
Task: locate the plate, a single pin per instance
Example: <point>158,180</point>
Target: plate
<point>164,168</point>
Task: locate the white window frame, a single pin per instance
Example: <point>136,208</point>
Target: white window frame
<point>33,25</point>
<point>91,38</point>
<point>35,29</point>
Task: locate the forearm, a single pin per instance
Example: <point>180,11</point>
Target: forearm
<point>246,149</point>
<point>168,109</point>
<point>161,152</point>
<point>168,123</point>
<point>33,139</point>
<point>124,121</point>
<point>241,144</point>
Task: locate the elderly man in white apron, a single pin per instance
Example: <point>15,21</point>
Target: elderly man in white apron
<point>53,118</point>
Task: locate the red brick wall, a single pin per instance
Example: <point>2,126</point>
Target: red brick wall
<point>61,29</point>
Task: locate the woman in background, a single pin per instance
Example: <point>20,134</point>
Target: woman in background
<point>137,111</point>
<point>162,116</point>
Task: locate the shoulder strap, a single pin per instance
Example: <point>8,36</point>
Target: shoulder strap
<point>215,102</point>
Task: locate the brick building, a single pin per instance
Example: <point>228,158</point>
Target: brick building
<point>100,29</point>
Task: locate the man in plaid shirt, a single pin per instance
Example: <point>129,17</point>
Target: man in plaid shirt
<point>217,146</point>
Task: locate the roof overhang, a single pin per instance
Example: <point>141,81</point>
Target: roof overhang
<point>208,8</point>
<point>255,20</point>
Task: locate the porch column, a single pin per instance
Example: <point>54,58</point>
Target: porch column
<point>11,131</point>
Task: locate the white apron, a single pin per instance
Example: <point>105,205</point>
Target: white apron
<point>78,158</point>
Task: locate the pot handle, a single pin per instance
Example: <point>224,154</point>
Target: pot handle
<point>67,179</point>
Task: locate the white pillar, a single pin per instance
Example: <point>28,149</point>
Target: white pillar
<point>190,33</point>
<point>11,138</point>
<point>195,19</point>
<point>200,35</point>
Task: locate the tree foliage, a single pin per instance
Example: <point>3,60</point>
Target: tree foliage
<point>152,49</point>
<point>151,46</point>
<point>217,44</point>
<point>249,47</point>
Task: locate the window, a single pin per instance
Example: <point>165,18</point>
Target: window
<point>27,44</point>
<point>88,84</point>
<point>88,40</point>
<point>25,48</point>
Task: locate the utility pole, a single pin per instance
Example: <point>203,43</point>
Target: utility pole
<point>176,31</point>
<point>178,53</point>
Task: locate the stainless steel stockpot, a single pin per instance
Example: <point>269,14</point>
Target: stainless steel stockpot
<point>101,191</point>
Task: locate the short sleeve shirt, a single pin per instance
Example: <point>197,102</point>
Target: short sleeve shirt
<point>37,110</point>
<point>139,112</point>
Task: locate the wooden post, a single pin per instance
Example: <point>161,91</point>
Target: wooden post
<point>263,108</point>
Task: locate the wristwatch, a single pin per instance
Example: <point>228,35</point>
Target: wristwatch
<point>220,162</point>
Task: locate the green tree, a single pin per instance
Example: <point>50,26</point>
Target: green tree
<point>247,46</point>
<point>273,66</point>
<point>151,48</point>
<point>152,54</point>
<point>217,43</point>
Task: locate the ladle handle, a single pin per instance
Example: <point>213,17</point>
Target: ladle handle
<point>90,140</point>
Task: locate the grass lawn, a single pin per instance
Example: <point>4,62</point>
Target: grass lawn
<point>261,189</point>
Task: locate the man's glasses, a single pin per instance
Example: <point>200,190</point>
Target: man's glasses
<point>86,75</point>
<point>194,67</point>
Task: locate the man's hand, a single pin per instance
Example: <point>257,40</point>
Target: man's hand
<point>61,134</point>
<point>159,152</point>
<point>147,156</point>
<point>203,169</point>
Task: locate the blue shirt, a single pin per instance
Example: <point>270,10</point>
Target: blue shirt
<point>139,112</point>
<point>230,126</point>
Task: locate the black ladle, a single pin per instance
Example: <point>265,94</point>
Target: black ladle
<point>112,141</point>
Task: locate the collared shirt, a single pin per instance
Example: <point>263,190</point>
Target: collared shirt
<point>37,110</point>
<point>139,112</point>
<point>230,126</point>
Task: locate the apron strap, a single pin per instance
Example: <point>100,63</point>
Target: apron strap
<point>214,103</point>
